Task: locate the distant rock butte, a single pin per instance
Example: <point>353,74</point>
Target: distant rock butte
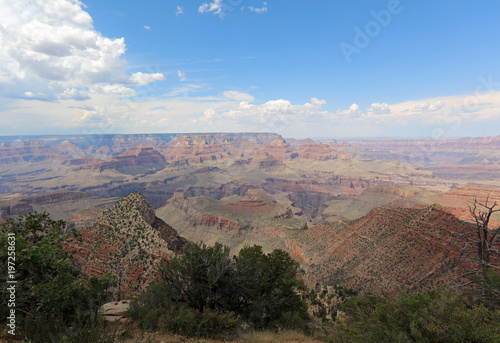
<point>136,160</point>
<point>23,204</point>
<point>29,151</point>
<point>201,148</point>
<point>458,200</point>
<point>198,148</point>
<point>85,161</point>
<point>128,240</point>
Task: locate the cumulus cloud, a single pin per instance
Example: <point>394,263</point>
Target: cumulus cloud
<point>282,110</point>
<point>239,96</point>
<point>179,10</point>
<point>74,94</point>
<point>207,119</point>
<point>378,109</point>
<point>94,118</point>
<point>143,79</point>
<point>50,46</point>
<point>215,7</point>
<point>146,27</point>
<point>353,112</point>
<point>114,89</point>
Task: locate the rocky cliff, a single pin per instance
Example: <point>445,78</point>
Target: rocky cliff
<point>388,248</point>
<point>28,151</point>
<point>128,240</point>
<point>231,220</point>
<point>139,160</point>
<point>413,249</point>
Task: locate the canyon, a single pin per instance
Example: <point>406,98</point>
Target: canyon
<point>366,213</point>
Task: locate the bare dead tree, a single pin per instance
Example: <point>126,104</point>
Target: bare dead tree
<point>481,251</point>
<point>485,239</point>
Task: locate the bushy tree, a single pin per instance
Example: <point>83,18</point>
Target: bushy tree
<point>260,288</point>
<point>435,316</point>
<point>270,284</point>
<point>49,289</point>
<point>203,278</point>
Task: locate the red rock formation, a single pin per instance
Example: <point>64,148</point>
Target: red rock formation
<point>199,148</point>
<point>8,154</point>
<point>69,149</point>
<point>386,249</point>
<point>135,161</point>
<point>83,219</point>
<point>128,240</point>
<point>29,151</point>
<point>297,143</point>
<point>84,162</point>
<point>317,152</point>
<point>459,199</point>
<point>24,204</point>
<point>247,206</point>
<point>270,162</point>
<point>279,149</point>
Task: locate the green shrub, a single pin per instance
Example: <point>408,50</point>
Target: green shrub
<point>201,291</point>
<point>436,316</point>
<point>54,330</point>
<point>51,295</point>
<point>270,285</point>
<point>291,321</point>
<point>150,305</point>
<point>192,323</point>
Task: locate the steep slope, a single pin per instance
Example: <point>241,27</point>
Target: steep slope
<point>127,240</point>
<point>414,249</point>
<point>388,248</point>
<point>232,219</point>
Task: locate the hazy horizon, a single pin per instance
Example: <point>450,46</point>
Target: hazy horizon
<point>393,69</point>
<point>318,138</point>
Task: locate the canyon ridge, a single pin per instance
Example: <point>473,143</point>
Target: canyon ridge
<point>367,214</point>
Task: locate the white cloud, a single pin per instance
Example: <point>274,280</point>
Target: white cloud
<point>94,117</point>
<point>378,108</point>
<point>239,96</point>
<point>427,107</point>
<point>207,119</point>
<point>181,75</point>
<point>143,79</point>
<point>215,7</point>
<point>282,110</point>
<point>353,112</point>
<point>146,27</point>
<point>75,94</point>
<point>114,89</point>
<point>184,90</point>
<point>258,10</point>
<point>50,46</point>
<point>179,11</point>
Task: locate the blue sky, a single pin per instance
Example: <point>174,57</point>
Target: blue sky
<point>299,68</point>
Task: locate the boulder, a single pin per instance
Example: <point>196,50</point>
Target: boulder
<point>115,312</point>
